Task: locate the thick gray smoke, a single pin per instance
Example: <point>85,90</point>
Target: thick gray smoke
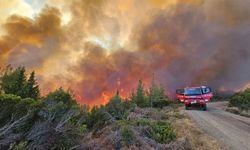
<point>187,43</point>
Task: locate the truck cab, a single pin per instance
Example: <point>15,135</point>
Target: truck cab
<point>195,96</point>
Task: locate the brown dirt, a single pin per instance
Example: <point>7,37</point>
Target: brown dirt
<point>199,140</point>
<point>230,130</point>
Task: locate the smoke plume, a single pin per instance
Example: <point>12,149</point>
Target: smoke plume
<point>110,45</point>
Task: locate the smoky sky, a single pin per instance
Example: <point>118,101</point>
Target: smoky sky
<point>110,45</point>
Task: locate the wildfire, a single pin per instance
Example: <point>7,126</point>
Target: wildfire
<point>96,47</point>
<point>106,97</point>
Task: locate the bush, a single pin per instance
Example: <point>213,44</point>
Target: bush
<point>140,98</point>
<point>160,103</point>
<point>241,100</point>
<point>98,118</point>
<point>16,82</point>
<point>61,96</point>
<point>157,96</point>
<point>127,135</point>
<point>20,146</point>
<point>160,131</point>
<point>83,129</point>
<point>56,126</point>
<point>115,107</point>
<point>118,108</point>
<point>153,97</point>
<point>143,122</point>
<point>12,106</point>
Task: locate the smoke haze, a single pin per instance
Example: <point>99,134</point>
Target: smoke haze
<point>95,47</point>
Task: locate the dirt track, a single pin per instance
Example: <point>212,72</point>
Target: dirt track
<point>232,131</point>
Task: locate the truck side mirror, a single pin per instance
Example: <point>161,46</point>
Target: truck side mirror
<point>180,91</point>
<point>206,90</point>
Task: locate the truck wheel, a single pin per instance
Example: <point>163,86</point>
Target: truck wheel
<point>187,107</point>
<point>204,107</point>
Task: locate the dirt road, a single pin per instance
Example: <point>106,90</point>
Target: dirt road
<point>232,131</point>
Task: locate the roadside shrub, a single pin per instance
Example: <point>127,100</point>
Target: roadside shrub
<point>241,100</point>
<point>160,131</point>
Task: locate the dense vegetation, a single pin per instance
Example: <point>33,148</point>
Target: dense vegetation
<point>16,82</point>
<point>56,121</point>
<point>154,97</point>
<point>241,100</point>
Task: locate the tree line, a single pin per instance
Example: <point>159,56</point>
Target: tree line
<point>56,121</point>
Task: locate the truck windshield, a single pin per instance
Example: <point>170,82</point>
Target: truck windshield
<point>192,91</point>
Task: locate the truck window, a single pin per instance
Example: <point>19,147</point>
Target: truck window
<point>192,91</point>
<point>206,90</point>
<point>180,91</point>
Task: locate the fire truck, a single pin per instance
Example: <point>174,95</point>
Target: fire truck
<point>195,96</point>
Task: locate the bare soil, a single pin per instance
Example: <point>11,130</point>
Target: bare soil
<point>199,140</point>
<point>232,131</point>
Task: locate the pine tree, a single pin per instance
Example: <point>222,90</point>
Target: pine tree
<point>140,98</point>
<point>152,92</point>
<point>115,106</point>
<point>15,82</point>
<point>157,95</point>
<point>31,88</point>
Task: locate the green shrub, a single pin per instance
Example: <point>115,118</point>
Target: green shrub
<point>20,146</point>
<point>115,107</point>
<point>119,108</point>
<point>83,129</point>
<point>143,122</point>
<point>160,103</point>
<point>98,118</point>
<point>127,135</point>
<point>59,121</point>
<point>12,106</point>
<point>17,82</point>
<point>139,98</point>
<point>162,132</point>
<point>241,100</point>
<point>152,97</point>
<point>61,95</point>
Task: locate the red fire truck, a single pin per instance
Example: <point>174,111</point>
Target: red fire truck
<point>195,96</point>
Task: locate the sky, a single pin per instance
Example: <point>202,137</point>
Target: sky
<point>94,47</point>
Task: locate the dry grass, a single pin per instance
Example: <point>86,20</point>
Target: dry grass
<point>198,139</point>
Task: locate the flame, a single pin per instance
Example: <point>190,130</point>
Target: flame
<point>96,47</point>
